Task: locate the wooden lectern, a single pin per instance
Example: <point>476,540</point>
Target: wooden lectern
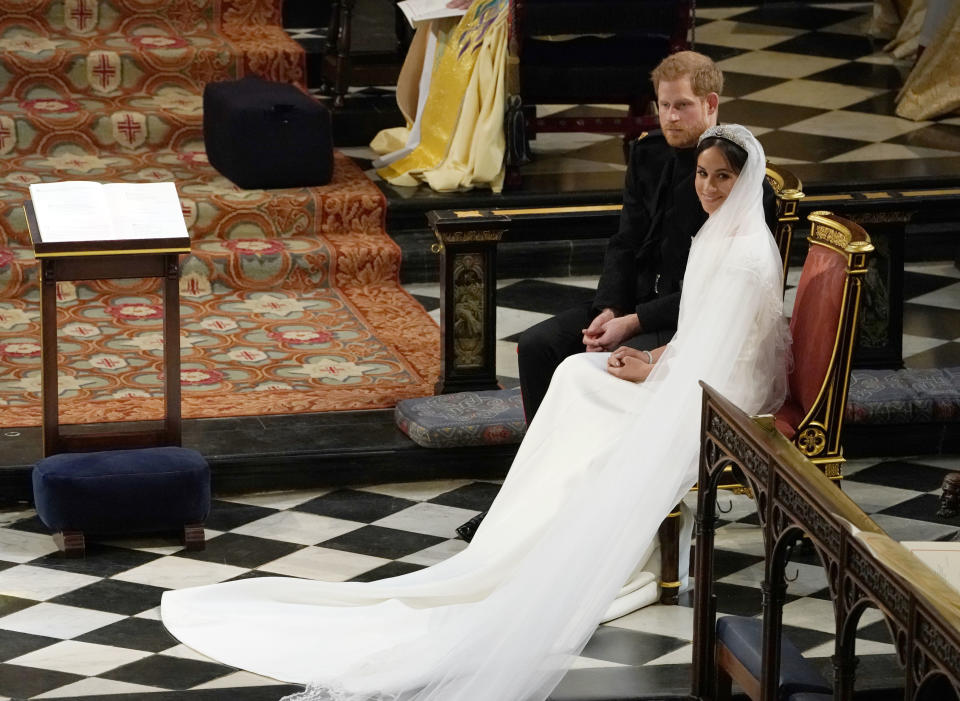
<point>108,259</point>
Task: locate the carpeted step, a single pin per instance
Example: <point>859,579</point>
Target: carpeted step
<point>290,300</point>
<point>84,17</point>
<point>171,117</point>
<point>34,65</point>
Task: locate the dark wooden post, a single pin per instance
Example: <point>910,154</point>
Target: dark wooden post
<point>467,244</point>
<point>49,377</point>
<point>171,348</point>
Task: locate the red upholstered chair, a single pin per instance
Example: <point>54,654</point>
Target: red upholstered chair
<point>823,326</point>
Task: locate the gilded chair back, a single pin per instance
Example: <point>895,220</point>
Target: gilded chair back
<point>823,327</point>
<point>789,191</point>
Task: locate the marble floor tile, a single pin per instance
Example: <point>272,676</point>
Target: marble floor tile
<point>910,529</point>
<point>936,267</point>
<point>913,345</point>
<point>811,17</point>
<point>417,491</point>
<point>79,658</point>
<point>355,505</point>
<point>40,583</point>
<point>856,26</point>
<point>740,84</point>
<point>323,564</point>
<point>946,297</point>
<point>864,75</point>
<point>682,655</point>
<point>803,93</point>
<point>185,652</point>
<point>805,147</point>
<point>178,572</point>
<point>95,686</point>
<point>744,35</point>
<point>435,553</point>
<point>515,321</point>
<point>430,519</point>
<point>298,527</point>
<point>663,620</point>
<point>803,579</point>
<point>854,125</point>
<point>57,621</point>
<point>507,363</point>
<point>779,65</point>
<point>591,663</point>
<point>946,355</point>
<point>20,546</point>
<point>278,500</point>
<point>379,541</point>
<point>829,44</point>
<point>889,152</point>
<point>862,647</point>
<point>720,12</point>
<point>237,679</point>
<point>766,114</point>
<point>874,497</point>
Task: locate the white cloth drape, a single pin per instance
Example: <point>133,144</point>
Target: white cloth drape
<point>601,465</point>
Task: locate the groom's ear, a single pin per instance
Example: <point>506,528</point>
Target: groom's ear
<point>713,102</point>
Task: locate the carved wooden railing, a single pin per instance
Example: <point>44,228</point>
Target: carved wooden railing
<point>864,567</point>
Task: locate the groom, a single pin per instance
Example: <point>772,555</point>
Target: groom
<point>638,297</point>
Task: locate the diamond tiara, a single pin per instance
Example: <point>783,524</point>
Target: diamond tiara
<point>733,133</point>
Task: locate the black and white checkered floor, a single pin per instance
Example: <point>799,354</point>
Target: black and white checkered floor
<point>89,628</point>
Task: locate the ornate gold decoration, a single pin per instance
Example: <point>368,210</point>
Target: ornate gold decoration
<point>827,234</point>
<point>811,441</point>
<point>468,308</point>
<point>470,236</point>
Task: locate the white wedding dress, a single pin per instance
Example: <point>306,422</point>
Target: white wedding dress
<point>601,465</point>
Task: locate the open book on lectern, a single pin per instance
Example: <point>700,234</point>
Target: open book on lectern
<point>80,210</point>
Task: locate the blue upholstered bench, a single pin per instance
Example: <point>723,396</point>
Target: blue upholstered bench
<point>122,492</point>
<point>490,417</point>
<point>742,639</point>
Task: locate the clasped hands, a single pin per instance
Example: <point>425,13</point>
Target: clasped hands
<point>607,331</point>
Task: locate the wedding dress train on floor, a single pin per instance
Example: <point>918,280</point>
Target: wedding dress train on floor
<point>600,466</point>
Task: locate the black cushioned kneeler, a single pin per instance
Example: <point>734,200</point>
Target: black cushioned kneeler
<point>261,134</point>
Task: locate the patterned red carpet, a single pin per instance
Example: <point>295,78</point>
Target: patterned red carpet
<point>290,300</point>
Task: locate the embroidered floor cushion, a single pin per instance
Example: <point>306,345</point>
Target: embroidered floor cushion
<point>463,419</point>
<point>122,491</point>
<point>913,395</point>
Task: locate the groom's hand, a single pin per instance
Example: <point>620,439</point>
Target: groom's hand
<point>595,330</point>
<point>616,331</point>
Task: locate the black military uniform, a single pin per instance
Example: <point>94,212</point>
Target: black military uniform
<point>643,266</point>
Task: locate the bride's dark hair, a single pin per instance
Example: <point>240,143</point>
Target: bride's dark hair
<point>735,155</point>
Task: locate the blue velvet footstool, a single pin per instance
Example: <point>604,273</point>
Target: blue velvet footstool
<point>123,492</point>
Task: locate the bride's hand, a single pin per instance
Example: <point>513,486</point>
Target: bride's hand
<point>629,364</point>
<point>616,358</point>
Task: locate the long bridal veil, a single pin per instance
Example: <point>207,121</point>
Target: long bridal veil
<point>599,468</point>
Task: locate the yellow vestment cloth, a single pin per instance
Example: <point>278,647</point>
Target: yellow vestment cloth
<point>462,142</point>
<point>933,87</point>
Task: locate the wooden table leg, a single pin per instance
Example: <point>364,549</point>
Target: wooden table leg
<point>171,349</point>
<point>50,390</point>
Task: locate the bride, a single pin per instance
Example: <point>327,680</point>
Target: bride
<point>601,465</point>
